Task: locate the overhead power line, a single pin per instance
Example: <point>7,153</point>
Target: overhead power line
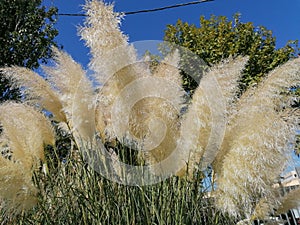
<point>145,10</point>
<point>167,7</point>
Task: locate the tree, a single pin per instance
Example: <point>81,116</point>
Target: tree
<point>218,38</point>
<point>26,36</point>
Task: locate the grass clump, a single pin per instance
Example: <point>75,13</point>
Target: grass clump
<point>73,193</point>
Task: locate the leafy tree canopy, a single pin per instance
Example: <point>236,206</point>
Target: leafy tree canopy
<point>218,38</point>
<point>26,35</point>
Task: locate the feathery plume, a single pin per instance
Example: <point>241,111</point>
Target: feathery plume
<point>76,94</point>
<point>108,45</point>
<point>22,144</point>
<point>17,192</point>
<point>113,60</point>
<point>203,124</point>
<point>117,61</point>
<point>27,144</point>
<point>168,69</point>
<point>37,91</point>
<point>160,116</point>
<point>258,140</point>
<point>228,75</point>
<point>113,91</point>
<point>264,207</point>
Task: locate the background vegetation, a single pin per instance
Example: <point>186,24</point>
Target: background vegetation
<point>26,36</point>
<point>218,37</point>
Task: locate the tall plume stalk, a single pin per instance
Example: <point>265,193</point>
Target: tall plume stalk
<point>113,60</point>
<point>245,140</point>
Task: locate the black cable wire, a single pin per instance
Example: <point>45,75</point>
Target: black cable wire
<point>145,10</point>
<point>167,7</point>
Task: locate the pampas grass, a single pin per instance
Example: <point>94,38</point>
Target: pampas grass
<point>167,108</point>
<point>241,138</point>
<point>113,60</point>
<point>258,143</point>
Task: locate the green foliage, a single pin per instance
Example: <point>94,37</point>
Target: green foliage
<point>26,36</point>
<point>218,38</point>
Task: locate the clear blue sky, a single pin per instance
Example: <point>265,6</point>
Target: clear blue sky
<point>282,17</point>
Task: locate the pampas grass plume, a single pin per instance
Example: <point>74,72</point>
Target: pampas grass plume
<point>22,144</point>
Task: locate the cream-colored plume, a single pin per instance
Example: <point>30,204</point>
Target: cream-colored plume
<point>204,124</point>
<point>37,91</point>
<point>76,94</point>
<point>108,45</point>
<point>22,142</point>
<point>163,109</point>
<point>114,61</point>
<point>257,141</point>
<point>121,75</point>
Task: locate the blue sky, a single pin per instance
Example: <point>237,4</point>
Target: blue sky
<point>282,17</point>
